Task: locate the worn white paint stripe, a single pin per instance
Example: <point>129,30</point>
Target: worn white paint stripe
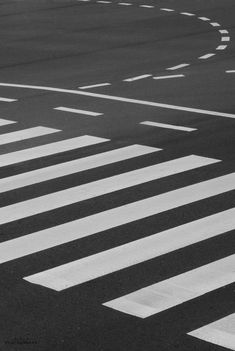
<point>225,39</point>
<point>80,112</point>
<point>137,78</point>
<point>112,218</point>
<point>2,99</point>
<point>170,77</point>
<point>178,66</point>
<point>204,18</point>
<point>125,3</point>
<point>167,126</point>
<point>25,134</point>
<point>5,122</point>
<point>49,149</point>
<point>100,187</point>
<point>74,166</point>
<point>147,6</point>
<point>174,291</point>
<point>121,99</point>
<point>221,47</point>
<point>231,71</point>
<point>187,13</point>
<point>204,57</point>
<point>215,24</point>
<point>121,257</point>
<point>220,332</point>
<point>167,10</point>
<point>223,31</point>
<point>95,86</point>
<point>103,2</point>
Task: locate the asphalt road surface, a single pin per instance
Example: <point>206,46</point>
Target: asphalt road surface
<point>117,145</point>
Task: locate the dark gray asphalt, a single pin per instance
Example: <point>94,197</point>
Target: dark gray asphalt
<point>69,44</point>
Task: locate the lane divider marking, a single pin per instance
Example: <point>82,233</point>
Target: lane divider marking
<point>95,86</point>
<point>137,78</point>
<point>167,126</point>
<point>81,112</point>
<point>2,99</point>
<point>204,57</point>
<point>170,77</point>
<point>178,66</point>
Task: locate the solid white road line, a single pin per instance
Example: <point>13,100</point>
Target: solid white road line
<point>25,134</point>
<point>121,257</point>
<point>174,291</point>
<point>187,13</point>
<point>109,219</point>
<point>100,187</point>
<point>49,149</point>
<point>204,18</point>
<point>5,122</point>
<point>169,77</point>
<point>137,78</point>
<point>204,57</point>
<point>178,66</point>
<point>106,220</point>
<point>223,31</point>
<point>215,24</point>
<point>95,86</point>
<point>168,126</point>
<point>231,71</point>
<point>225,39</point>
<point>221,47</point>
<point>221,332</point>
<point>75,166</point>
<point>121,99</point>
<point>81,112</point>
<point>2,99</point>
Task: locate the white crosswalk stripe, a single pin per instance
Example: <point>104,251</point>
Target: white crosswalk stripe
<point>177,290</point>
<point>25,134</point>
<point>100,187</point>
<point>220,332</point>
<point>49,149</point>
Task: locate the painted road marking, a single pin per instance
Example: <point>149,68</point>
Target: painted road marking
<point>75,166</point>
<point>103,2</point>
<point>187,13</point>
<point>25,134</point>
<point>137,78</point>
<point>5,122</point>
<point>49,149</point>
<point>80,112</point>
<point>167,10</point>
<point>118,216</point>
<point>95,86</point>
<point>231,71</point>
<point>215,24</point>
<point>174,291</point>
<point>225,39</point>
<point>221,47</point>
<point>2,99</point>
<point>168,126</point>
<point>178,66</point>
<point>204,18</point>
<point>135,252</point>
<point>204,57</point>
<point>170,77</point>
<point>125,3</point>
<point>121,99</point>
<point>221,332</point>
<point>101,187</point>
<point>147,6</point>
<point>223,31</point>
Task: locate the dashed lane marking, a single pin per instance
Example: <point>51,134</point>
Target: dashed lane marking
<point>4,122</point>
<point>225,39</point>
<point>215,24</point>
<point>95,86</point>
<point>167,126</point>
<point>223,31</point>
<point>80,112</point>
<point>231,71</point>
<point>204,57</point>
<point>121,99</point>
<point>143,76</point>
<point>221,47</point>
<point>204,18</point>
<point>182,65</point>
<point>167,10</point>
<point>170,76</point>
<point>2,99</point>
<point>187,14</point>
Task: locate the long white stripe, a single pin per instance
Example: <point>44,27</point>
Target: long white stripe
<point>109,219</point>
<point>4,122</point>
<point>221,332</point>
<point>231,71</point>
<point>204,57</point>
<point>167,10</point>
<point>178,66</point>
<point>187,13</point>
<point>80,112</point>
<point>100,187</point>
<point>25,134</point>
<point>147,6</point>
<point>171,76</point>
<point>49,149</point>
<point>168,126</point>
<point>70,167</point>
<point>95,86</point>
<point>122,99</point>
<point>177,290</point>
<point>137,78</point>
<point>106,262</point>
<point>7,99</point>
<point>204,18</point>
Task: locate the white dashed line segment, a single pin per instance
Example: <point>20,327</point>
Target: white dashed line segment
<point>2,99</point>
<point>225,39</point>
<point>215,24</point>
<point>204,57</point>
<point>167,126</point>
<point>204,18</point>
<point>221,47</point>
<point>5,122</point>
<point>77,111</point>
<point>170,77</point>
<point>94,86</point>
<point>178,66</point>
<point>187,14</point>
<point>137,78</point>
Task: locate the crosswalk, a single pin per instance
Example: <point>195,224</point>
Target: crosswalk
<point>149,300</point>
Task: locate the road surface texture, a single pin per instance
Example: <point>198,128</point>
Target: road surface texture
<point>117,175</point>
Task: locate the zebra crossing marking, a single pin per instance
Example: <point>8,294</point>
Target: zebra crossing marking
<point>49,149</point>
<point>24,134</point>
<point>74,166</point>
<point>174,291</point>
<point>100,187</point>
<point>220,332</point>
